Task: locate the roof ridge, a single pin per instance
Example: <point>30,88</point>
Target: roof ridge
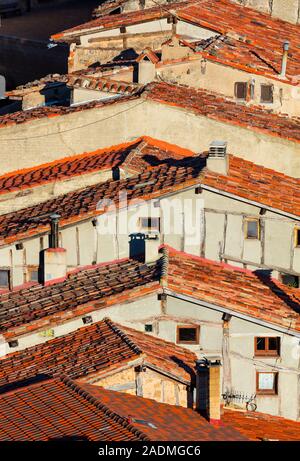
<point>101,406</point>
<point>122,335</point>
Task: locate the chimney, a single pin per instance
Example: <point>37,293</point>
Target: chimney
<point>217,159</point>
<point>286,47</point>
<point>208,388</point>
<point>53,260</point>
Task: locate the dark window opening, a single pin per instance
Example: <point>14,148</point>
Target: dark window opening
<point>150,223</point>
<point>290,280</point>
<point>266,94</point>
<point>149,328</point>
<point>267,346</point>
<point>240,90</point>
<point>4,278</point>
<point>188,335</point>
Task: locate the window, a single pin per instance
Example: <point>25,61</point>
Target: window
<point>290,280</point>
<point>266,93</point>
<point>4,278</point>
<point>149,328</point>
<point>13,343</point>
<point>297,237</point>
<point>267,346</point>
<point>252,228</point>
<point>87,319</point>
<point>266,382</point>
<point>150,223</point>
<point>240,90</point>
<point>33,273</point>
<point>187,335</point>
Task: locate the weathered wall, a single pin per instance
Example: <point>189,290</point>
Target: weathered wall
<point>41,141</point>
<point>208,225</point>
<point>287,10</point>
<point>152,385</point>
<point>200,73</point>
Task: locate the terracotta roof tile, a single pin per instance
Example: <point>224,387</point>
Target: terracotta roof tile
<point>168,420</point>
<point>136,155</point>
<point>97,348</point>
<point>240,290</point>
<point>171,423</point>
<point>101,283</point>
<point>58,409</point>
<point>259,426</point>
<point>215,106</point>
<point>163,166</point>
<point>246,25</point>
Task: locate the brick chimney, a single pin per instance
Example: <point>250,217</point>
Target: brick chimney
<point>217,159</point>
<point>53,260</point>
<point>208,388</point>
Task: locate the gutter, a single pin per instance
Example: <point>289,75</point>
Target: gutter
<point>236,314</point>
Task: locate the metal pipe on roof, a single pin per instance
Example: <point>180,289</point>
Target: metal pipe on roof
<point>286,47</point>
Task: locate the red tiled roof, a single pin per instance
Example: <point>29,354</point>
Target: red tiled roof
<point>136,155</point>
<point>240,290</point>
<point>246,25</point>
<point>97,348</point>
<point>260,426</point>
<point>108,85</point>
<point>217,107</point>
<point>81,292</point>
<point>254,182</point>
<point>164,167</point>
<point>58,409</point>
<point>74,206</point>
<point>171,423</point>
<point>201,102</point>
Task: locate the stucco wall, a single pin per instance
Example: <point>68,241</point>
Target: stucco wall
<point>216,77</point>
<point>48,139</point>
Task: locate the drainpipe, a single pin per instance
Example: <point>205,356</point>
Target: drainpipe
<point>286,47</point>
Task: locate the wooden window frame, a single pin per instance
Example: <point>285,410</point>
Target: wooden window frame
<point>296,241</point>
<point>236,90</point>
<point>273,391</point>
<point>267,352</point>
<point>9,286</point>
<point>272,88</point>
<point>246,221</point>
<point>196,327</point>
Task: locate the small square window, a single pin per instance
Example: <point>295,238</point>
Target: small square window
<point>240,90</point>
<point>266,383</point>
<point>87,319</point>
<point>266,93</point>
<point>265,346</point>
<point>297,237</point>
<point>13,343</point>
<point>33,273</point>
<point>290,280</point>
<point>150,223</point>
<point>252,228</point>
<point>188,335</point>
<point>149,328</point>
<point>4,278</point>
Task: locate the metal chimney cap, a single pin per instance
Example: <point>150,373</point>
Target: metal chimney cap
<point>55,216</point>
<point>286,45</point>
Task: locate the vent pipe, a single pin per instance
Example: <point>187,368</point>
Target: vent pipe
<point>286,47</point>
<point>54,235</point>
